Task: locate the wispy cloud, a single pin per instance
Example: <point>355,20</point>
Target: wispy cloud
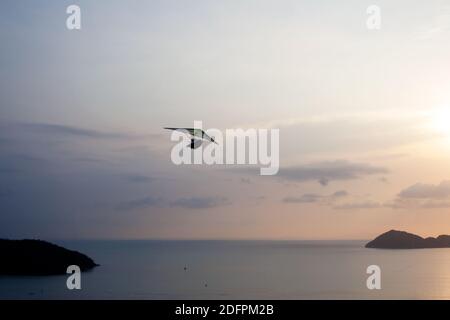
<point>340,194</point>
<point>186,203</point>
<point>22,163</point>
<point>305,198</point>
<point>427,191</point>
<point>325,172</point>
<point>330,118</point>
<point>140,203</point>
<point>358,205</point>
<point>200,202</point>
<point>403,203</point>
<point>314,197</point>
<point>70,131</point>
<point>424,196</point>
<point>62,130</point>
<point>433,204</point>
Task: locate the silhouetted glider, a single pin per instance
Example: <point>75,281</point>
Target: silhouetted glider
<point>198,136</point>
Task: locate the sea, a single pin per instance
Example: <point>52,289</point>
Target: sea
<point>156,269</point>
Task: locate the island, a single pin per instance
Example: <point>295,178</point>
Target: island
<point>403,240</point>
<point>37,258</point>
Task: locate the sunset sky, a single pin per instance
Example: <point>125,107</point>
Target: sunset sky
<point>364,118</point>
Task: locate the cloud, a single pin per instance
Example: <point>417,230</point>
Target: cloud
<point>330,118</point>
<point>325,172</point>
<point>349,132</point>
<point>426,191</point>
<point>433,204</point>
<point>89,160</point>
<point>70,131</point>
<point>187,203</point>
<point>424,196</point>
<point>340,194</point>
<point>334,201</point>
<point>305,198</point>
<point>22,164</point>
<point>200,202</point>
<point>400,203</point>
<point>139,204</point>
<point>359,205</point>
<point>314,197</point>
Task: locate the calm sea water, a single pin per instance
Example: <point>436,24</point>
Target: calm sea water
<point>242,270</point>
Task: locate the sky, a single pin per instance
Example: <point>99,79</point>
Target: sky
<point>363,118</point>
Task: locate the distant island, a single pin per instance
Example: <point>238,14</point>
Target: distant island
<point>36,257</point>
<point>403,240</point>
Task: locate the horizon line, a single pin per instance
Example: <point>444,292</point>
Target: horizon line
<point>186,239</point>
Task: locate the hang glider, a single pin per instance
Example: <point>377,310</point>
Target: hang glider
<point>197,136</point>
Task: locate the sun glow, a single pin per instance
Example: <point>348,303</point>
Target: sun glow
<point>440,121</point>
